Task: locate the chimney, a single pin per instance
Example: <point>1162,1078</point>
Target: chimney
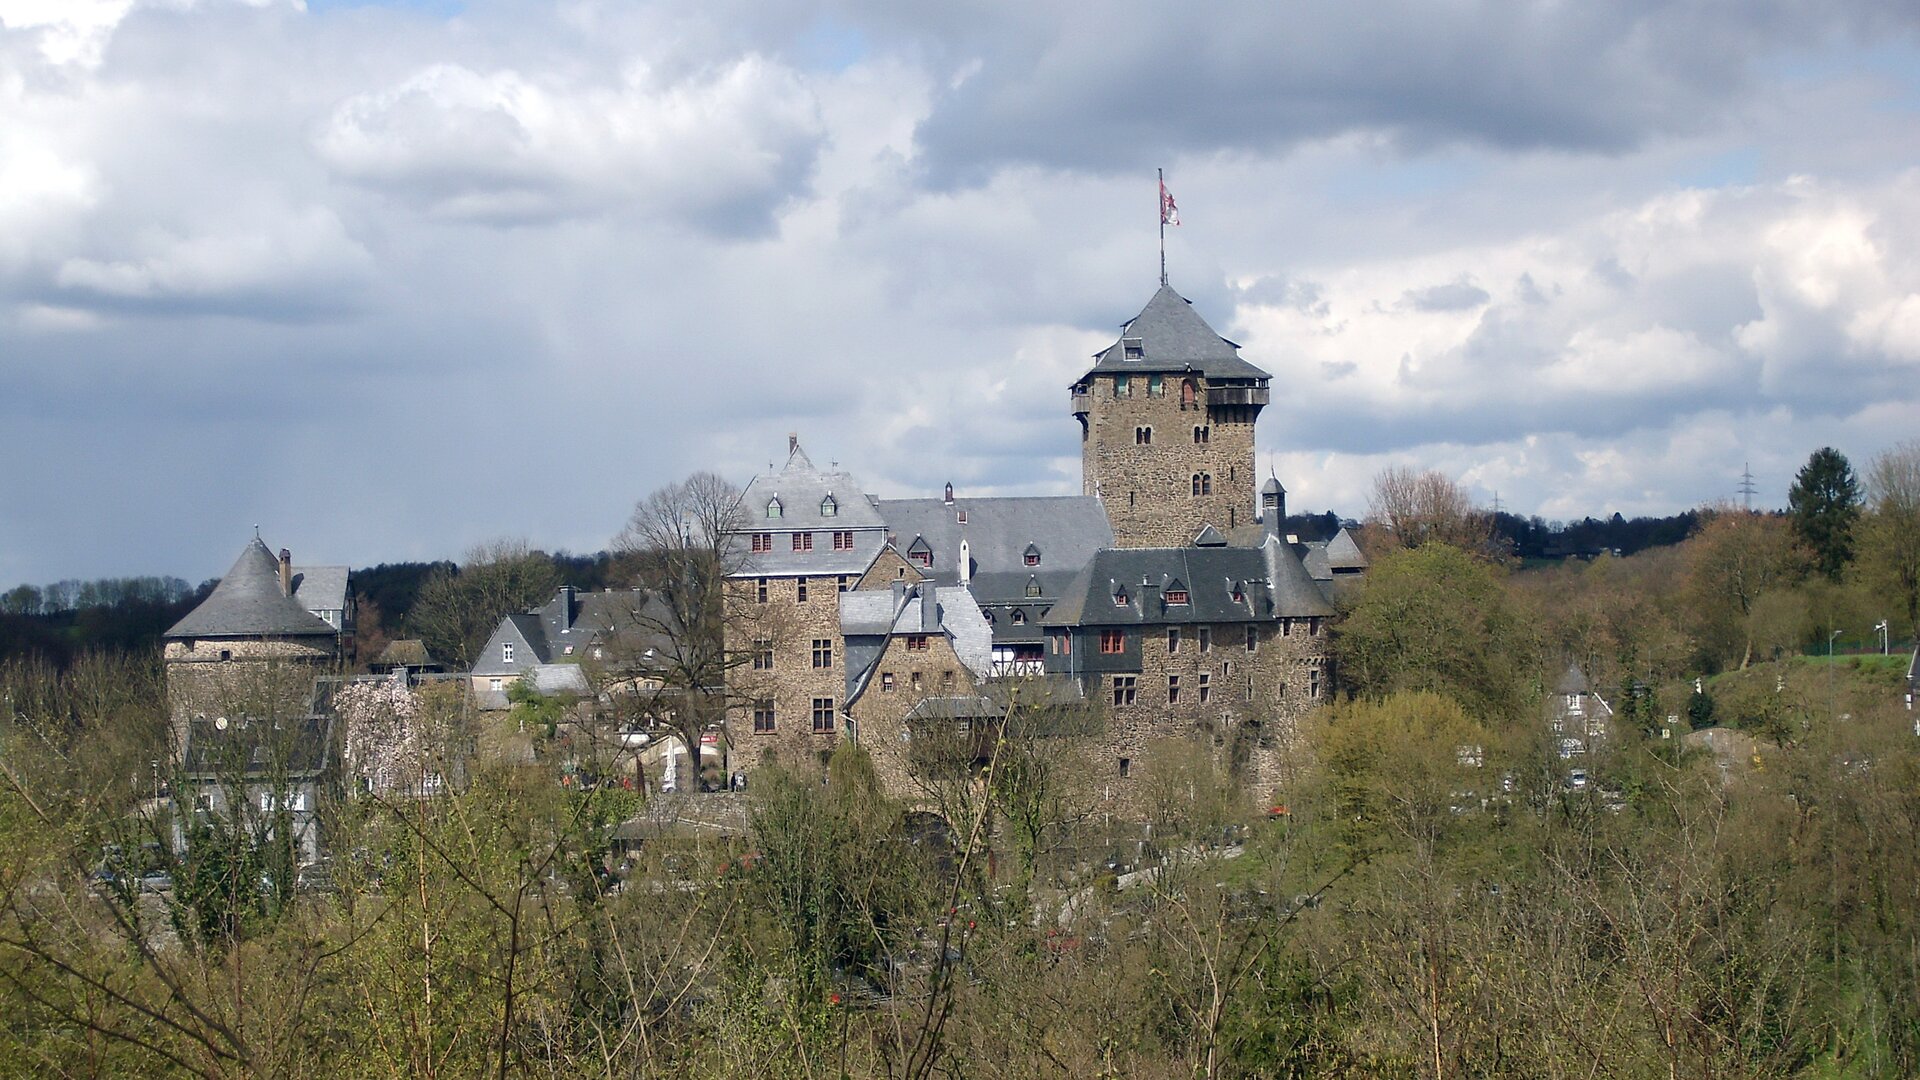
<point>566,608</point>
<point>899,596</point>
<point>1149,593</point>
<point>793,442</point>
<point>929,608</point>
<point>286,572</point>
<point>966,562</point>
<point>949,495</point>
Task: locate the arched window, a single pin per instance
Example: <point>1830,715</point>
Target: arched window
<point>1202,483</point>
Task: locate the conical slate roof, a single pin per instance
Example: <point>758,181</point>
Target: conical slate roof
<point>248,602</point>
<point>1171,336</point>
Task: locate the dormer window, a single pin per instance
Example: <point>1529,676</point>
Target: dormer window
<point>1019,617</point>
<point>1120,598</point>
<point>1033,586</point>
<point>1133,349</point>
<point>773,507</point>
<point>828,507</point>
<point>1176,596</point>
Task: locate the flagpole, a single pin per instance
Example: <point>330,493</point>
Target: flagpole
<point>1162,208</point>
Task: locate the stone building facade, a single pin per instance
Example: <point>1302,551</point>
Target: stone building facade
<point>1222,644</point>
<point>1167,417</point>
<point>805,536</point>
<point>252,648</point>
<point>908,650</point>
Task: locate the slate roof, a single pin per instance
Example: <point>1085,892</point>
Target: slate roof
<point>634,620</point>
<point>1344,554</point>
<point>1273,584</point>
<point>408,653</point>
<point>1174,338</point>
<point>802,490</point>
<point>321,588</point>
<point>869,618</point>
<point>248,603</point>
<point>1573,682</point>
<point>1066,531</point>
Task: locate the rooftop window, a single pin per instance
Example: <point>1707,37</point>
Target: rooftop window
<point>828,507</point>
<point>1133,348</point>
<point>773,507</point>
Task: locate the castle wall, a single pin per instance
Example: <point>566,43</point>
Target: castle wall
<point>1147,487</point>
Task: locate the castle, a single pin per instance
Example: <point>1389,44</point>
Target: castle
<point>1160,602</point>
<point>1165,602</point>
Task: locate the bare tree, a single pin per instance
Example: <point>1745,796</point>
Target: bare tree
<point>679,546</point>
<point>1892,531</point>
<point>458,608</point>
<point>1416,508</point>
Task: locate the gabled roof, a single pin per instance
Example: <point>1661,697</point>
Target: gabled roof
<point>1172,337</point>
<point>321,588</point>
<point>870,618</point>
<point>1064,531</point>
<point>1271,580</point>
<point>249,603</point>
<point>802,490</point>
<point>1573,682</point>
<point>631,620</point>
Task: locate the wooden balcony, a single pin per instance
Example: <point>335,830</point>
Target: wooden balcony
<point>1218,396</point>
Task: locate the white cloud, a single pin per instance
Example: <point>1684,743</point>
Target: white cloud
<point>502,145</point>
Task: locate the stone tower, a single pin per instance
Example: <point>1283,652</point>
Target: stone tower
<point>1166,427</point>
<point>250,650</point>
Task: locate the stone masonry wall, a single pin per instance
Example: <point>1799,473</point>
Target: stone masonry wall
<point>1148,488</point>
<point>256,677</point>
<point>792,626</point>
<point>880,714</point>
<point>1289,674</point>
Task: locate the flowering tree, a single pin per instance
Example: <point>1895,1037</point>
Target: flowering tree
<point>383,742</point>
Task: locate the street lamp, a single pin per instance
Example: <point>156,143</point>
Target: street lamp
<point>1831,710</point>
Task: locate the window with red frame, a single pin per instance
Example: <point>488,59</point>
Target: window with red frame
<point>803,541</point>
<point>1113,641</point>
<point>843,540</point>
<point>763,541</point>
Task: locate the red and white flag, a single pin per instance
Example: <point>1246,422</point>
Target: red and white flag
<point>1169,213</point>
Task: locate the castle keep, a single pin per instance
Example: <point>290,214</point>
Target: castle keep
<point>1166,426</point>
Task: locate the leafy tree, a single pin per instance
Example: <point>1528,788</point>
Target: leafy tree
<point>1824,503</point>
<point>1700,710</point>
<point>1736,558</point>
<point>1435,618</point>
<point>1891,540</point>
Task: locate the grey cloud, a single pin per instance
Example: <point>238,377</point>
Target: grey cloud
<point>1455,296</point>
<point>1112,87</point>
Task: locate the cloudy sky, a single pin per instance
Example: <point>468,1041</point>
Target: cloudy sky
<point>389,279</point>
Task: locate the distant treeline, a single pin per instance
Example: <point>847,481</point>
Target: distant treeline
<point>1538,538</point>
<point>60,621</point>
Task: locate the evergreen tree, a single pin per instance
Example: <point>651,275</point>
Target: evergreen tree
<point>1825,502</point>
